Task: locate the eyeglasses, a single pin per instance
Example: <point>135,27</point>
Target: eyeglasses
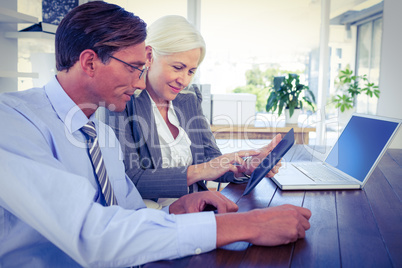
<point>142,72</point>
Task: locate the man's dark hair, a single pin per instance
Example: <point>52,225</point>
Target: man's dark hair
<point>105,28</point>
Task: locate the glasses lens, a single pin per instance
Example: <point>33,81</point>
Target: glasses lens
<point>143,72</point>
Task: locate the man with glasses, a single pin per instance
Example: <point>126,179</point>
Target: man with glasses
<point>64,198</point>
<point>142,71</point>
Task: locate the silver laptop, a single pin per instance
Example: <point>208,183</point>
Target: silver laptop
<point>351,160</point>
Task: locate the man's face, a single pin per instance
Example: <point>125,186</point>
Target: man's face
<point>117,81</point>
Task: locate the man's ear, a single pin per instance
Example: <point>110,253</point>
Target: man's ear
<point>148,55</point>
<point>87,61</point>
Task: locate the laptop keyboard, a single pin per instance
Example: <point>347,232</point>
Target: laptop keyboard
<point>317,172</point>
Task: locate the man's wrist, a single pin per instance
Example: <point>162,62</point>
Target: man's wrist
<point>232,227</point>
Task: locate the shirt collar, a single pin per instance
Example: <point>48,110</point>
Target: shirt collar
<point>154,104</point>
<point>66,109</point>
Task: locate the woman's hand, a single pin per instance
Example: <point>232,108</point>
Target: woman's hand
<point>218,166</point>
<point>253,162</point>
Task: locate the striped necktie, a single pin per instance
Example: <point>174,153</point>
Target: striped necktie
<point>97,162</point>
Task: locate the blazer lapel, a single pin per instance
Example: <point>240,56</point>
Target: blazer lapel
<point>185,110</point>
<point>185,107</point>
<point>146,123</point>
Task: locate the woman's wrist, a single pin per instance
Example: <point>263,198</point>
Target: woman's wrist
<point>193,174</point>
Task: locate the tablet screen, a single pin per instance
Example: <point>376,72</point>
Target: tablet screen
<point>270,161</point>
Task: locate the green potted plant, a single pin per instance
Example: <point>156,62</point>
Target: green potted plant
<point>348,88</point>
<point>287,93</point>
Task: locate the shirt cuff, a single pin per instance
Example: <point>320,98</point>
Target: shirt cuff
<point>197,233</point>
<point>166,209</point>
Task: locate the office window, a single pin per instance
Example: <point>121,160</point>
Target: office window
<point>243,35</point>
<point>254,33</point>
<point>368,60</point>
<point>339,52</point>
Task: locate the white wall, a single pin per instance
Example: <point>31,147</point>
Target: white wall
<point>8,51</point>
<point>390,102</point>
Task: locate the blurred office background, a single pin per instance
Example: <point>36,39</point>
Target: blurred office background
<point>313,38</point>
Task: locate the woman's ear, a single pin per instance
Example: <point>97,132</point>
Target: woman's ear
<point>148,54</point>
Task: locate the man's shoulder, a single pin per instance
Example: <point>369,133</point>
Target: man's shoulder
<point>31,105</point>
<point>33,98</point>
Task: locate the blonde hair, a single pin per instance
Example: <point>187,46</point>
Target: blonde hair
<point>173,34</point>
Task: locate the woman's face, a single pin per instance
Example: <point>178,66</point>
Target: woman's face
<point>170,74</point>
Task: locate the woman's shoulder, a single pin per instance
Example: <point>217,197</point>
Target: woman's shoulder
<point>193,92</point>
<point>186,94</point>
<point>140,97</point>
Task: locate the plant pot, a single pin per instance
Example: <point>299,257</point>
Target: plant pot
<point>295,116</point>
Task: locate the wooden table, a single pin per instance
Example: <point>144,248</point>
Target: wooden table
<point>251,132</point>
<point>349,228</point>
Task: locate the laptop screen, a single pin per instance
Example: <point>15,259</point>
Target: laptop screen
<point>360,144</point>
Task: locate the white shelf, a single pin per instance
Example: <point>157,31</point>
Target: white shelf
<point>8,74</point>
<point>35,35</point>
<point>11,16</point>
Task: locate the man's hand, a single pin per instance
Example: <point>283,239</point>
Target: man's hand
<point>265,227</point>
<point>280,225</point>
<point>253,162</point>
<point>201,201</point>
<point>218,166</point>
